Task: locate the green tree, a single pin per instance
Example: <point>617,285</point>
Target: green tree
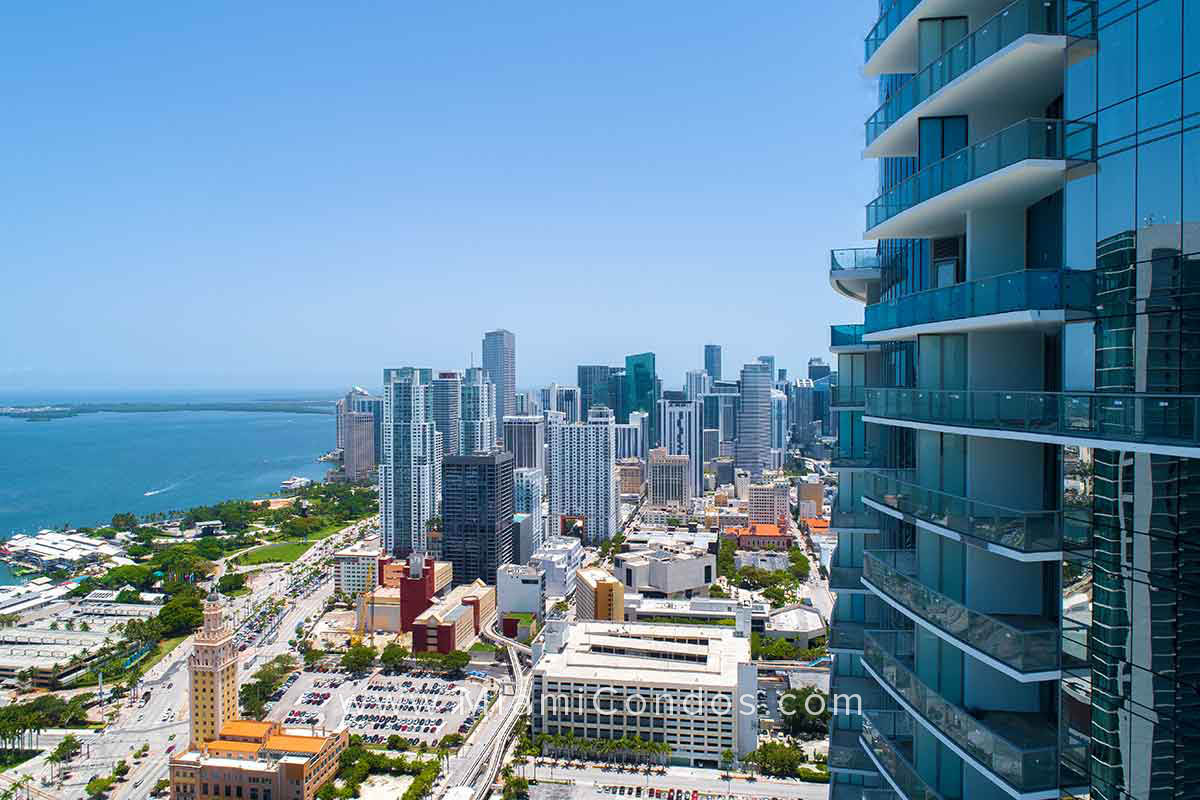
<point>359,658</point>
<point>394,657</point>
<point>124,522</point>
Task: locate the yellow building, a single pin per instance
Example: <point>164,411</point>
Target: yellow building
<point>212,676</point>
<point>599,595</point>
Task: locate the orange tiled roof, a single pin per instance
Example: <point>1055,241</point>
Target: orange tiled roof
<point>757,529</point>
<point>296,744</point>
<point>224,745</point>
<point>246,727</point>
<point>816,523</point>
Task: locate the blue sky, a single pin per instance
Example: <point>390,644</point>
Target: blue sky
<point>295,195</point>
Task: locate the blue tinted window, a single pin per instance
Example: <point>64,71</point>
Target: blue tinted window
<point>1159,44</point>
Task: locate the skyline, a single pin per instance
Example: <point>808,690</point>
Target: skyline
<point>204,205</point>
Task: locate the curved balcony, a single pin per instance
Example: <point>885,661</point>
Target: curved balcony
<point>851,269</point>
<point>847,397</point>
<point>1019,748</point>
<point>846,754</point>
<point>1023,646</point>
<point>849,339</point>
<point>1167,424</point>
<point>1014,167</point>
<point>887,738</point>
<point>1028,297</point>
<point>1016,54</point>
<point>1016,531</point>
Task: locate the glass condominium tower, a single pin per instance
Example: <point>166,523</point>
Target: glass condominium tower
<point>1018,416</point>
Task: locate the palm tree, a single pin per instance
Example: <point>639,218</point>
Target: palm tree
<point>727,762</point>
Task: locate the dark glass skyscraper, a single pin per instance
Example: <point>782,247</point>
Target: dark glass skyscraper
<point>712,361</point>
<point>594,384</point>
<point>477,514</point>
<point>641,389</point>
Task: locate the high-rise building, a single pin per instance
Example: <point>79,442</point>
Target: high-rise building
<point>356,400</point>
<point>598,595</point>
<point>817,368</point>
<point>594,387</point>
<point>1051,620</point>
<point>712,361</point>
<point>529,489</point>
<point>525,438</point>
<point>697,384</point>
<point>680,424</point>
<point>754,420</point>
<point>477,430</point>
<point>770,362</point>
<point>566,400</point>
<point>212,676</point>
<point>633,438</point>
<point>446,405</point>
<point>616,393</point>
<point>409,468</point>
<point>710,445</point>
<point>669,478</point>
<point>583,487</point>
<point>477,514</point>
<point>422,375</point>
<point>642,388</point>
<point>800,409</point>
<point>780,429</point>
<point>500,362</point>
<point>358,454</point>
<point>526,405</point>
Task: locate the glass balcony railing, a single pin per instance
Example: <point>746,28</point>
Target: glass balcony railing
<point>1166,419</point>
<point>846,635</point>
<point>861,517</point>
<point>864,459</point>
<point>847,395</point>
<point>854,258</point>
<point>846,753</point>
<point>845,579</point>
<point>854,693</point>
<point>888,21</point>
<point>1009,24</point>
<point>889,737</point>
<point>1024,290</point>
<point>1030,138</point>
<point>1026,643</point>
<point>1026,531</point>
<point>845,335</point>
<point>1018,748</point>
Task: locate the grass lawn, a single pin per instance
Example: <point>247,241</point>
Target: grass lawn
<point>275,553</point>
<point>483,647</point>
<point>525,616</point>
<point>164,647</point>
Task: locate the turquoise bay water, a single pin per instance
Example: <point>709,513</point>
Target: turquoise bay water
<point>81,470</point>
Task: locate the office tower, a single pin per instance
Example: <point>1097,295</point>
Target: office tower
<point>477,514</point>
<point>712,361</point>
<point>526,405</point>
<point>800,409</point>
<point>710,445</point>
<point>781,376</point>
<point>525,438</point>
<point>339,418</point>
<point>817,368</point>
<point>500,362</point>
<point>446,408</point>
<point>641,389</point>
<point>477,431</point>
<point>669,478</point>
<point>212,676</point>
<point>616,393</point>
<point>566,400</point>
<point>633,438</point>
<point>779,421</point>
<point>423,375</point>
<point>1030,505</point>
<point>770,362</point>
<point>679,425</point>
<point>697,384</point>
<point>594,387</point>
<point>548,396</point>
<point>359,402</point>
<point>358,455</point>
<point>529,489</point>
<point>583,487</point>
<point>409,468</point>
<point>754,420</point>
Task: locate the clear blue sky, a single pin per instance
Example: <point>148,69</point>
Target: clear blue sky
<point>298,194</point>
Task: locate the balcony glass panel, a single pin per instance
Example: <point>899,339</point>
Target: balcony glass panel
<point>859,518</point>
<point>846,635</point>
<point>1168,419</point>
<point>846,753</point>
<point>854,258</point>
<point>847,395</point>
<point>1030,138</point>
<point>1024,642</point>
<point>1024,290</point>
<point>1009,24</point>
<point>1027,531</point>
<point>888,735</point>
<point>888,21</point>
<point>845,335</point>
<point>1019,748</point>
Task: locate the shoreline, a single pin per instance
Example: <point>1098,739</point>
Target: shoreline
<point>49,413</point>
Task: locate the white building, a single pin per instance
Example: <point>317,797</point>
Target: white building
<point>525,438</point>
<point>693,685</point>
<point>754,420</point>
<point>559,557</point>
<point>633,438</point>
<point>697,384</point>
<point>410,468</point>
<point>356,568</point>
<point>446,406</point>
<point>520,589</point>
<point>769,502</point>
<point>477,429</point>
<point>529,489</point>
<point>358,453</point>
<point>583,484</point>
<point>680,428</point>
<point>669,479</point>
<point>666,571</point>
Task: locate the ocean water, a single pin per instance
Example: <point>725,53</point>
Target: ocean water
<point>81,470</point>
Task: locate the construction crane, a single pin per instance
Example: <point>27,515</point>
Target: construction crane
<point>365,618</point>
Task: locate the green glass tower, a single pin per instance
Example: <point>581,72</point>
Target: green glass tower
<point>641,382</point>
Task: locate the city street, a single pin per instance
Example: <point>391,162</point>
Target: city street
<point>588,780</point>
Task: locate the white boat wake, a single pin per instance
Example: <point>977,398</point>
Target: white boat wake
<point>153,492</point>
